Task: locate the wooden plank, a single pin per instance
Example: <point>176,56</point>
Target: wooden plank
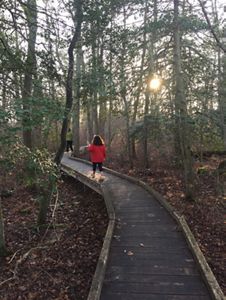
<point>166,281</point>
<point>107,295</point>
<point>154,241</point>
<point>138,202</point>
<point>138,207</point>
<point>148,231</point>
<point>143,250</point>
<point>146,234</point>
<point>147,239</point>
<point>145,221</point>
<point>153,260</point>
<point>153,269</point>
<point>142,215</point>
<point>160,288</point>
<point>138,227</point>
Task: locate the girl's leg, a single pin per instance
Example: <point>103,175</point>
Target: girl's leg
<point>100,167</point>
<point>94,169</point>
<point>71,146</point>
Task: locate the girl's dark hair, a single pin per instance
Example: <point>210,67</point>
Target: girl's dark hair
<point>97,140</point>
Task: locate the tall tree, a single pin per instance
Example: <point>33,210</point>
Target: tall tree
<point>222,90</point>
<point>30,9</point>
<point>123,87</point>
<point>69,85</point>
<point>181,108</point>
<point>76,116</point>
<point>111,85</point>
<point>140,79</point>
<point>151,70</point>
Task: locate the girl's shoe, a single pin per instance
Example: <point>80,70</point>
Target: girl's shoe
<point>101,178</point>
<point>93,175</point>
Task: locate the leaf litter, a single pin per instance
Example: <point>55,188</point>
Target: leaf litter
<point>61,265</point>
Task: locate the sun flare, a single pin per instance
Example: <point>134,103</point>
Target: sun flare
<point>155,83</point>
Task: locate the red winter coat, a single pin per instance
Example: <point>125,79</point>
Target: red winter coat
<point>97,153</point>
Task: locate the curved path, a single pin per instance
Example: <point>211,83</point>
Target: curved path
<point>148,257</point>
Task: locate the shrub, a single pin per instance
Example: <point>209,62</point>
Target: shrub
<point>37,170</point>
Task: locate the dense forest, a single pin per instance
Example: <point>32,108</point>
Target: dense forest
<point>89,65</point>
<point>149,76</point>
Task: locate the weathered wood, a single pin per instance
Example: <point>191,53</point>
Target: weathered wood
<point>155,270</point>
<point>98,279</point>
<point>129,296</point>
<point>143,249</point>
<point>148,242</point>
<point>158,288</point>
<point>152,260</point>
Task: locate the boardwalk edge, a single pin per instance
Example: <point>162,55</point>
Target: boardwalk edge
<point>207,273</point>
<point>98,278</point>
<point>212,284</point>
<point>90,183</point>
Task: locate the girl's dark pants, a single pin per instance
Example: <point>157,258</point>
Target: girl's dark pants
<point>69,146</point>
<point>99,166</point>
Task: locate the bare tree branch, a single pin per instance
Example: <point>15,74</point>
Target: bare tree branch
<point>220,45</point>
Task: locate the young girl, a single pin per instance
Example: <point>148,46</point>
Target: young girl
<point>97,154</point>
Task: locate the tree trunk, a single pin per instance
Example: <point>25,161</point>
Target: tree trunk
<point>94,88</point>
<point>4,99</point>
<point>181,107</point>
<point>140,80</point>
<point>222,92</point>
<point>37,94</point>
<point>151,70</point>
<point>69,94</point>
<point>102,92</point>
<point>110,98</point>
<point>145,137</point>
<point>89,122</point>
<point>3,251</point>
<point>76,121</point>
<point>123,92</point>
<point>44,201</point>
<point>30,66</point>
<point>17,77</point>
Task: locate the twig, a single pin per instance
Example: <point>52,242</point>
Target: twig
<point>55,205</point>
<point>11,278</point>
<point>49,275</point>
<point>53,215</point>
<point>19,261</point>
<point>13,256</point>
<point>24,257</point>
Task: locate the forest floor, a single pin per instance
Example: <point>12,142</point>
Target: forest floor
<point>59,262</point>
<point>206,216</point>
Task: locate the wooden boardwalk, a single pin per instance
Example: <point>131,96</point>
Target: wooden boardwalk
<point>149,257</point>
